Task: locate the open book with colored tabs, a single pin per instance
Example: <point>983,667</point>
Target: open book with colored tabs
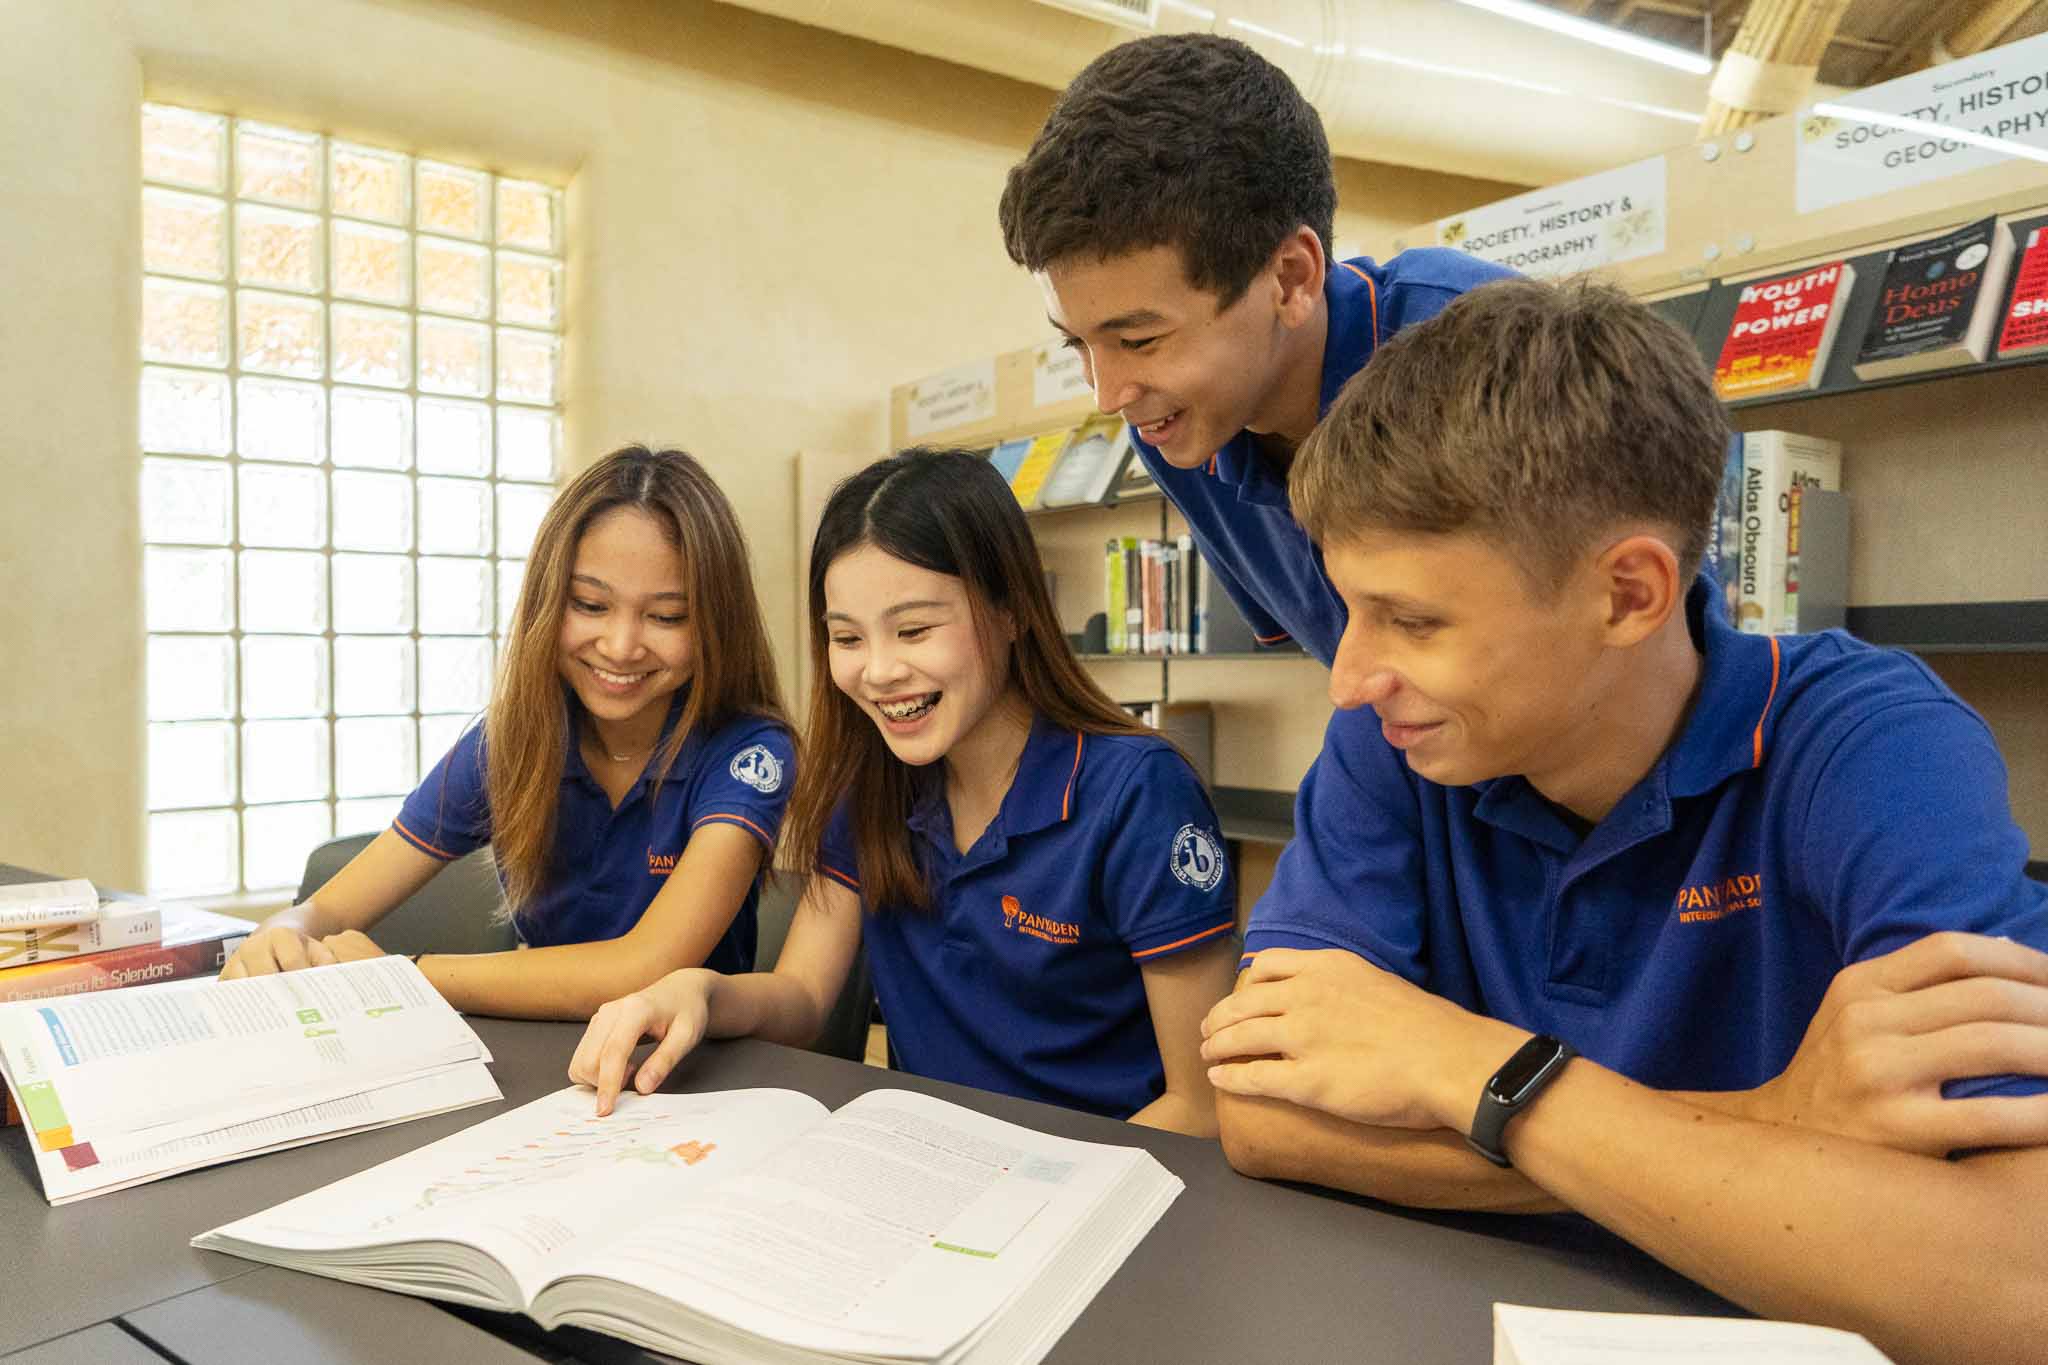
<point>121,1087</point>
<point>743,1225</point>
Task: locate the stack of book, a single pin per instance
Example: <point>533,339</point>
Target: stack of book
<point>1156,596</point>
<point>63,938</point>
<point>1783,565</point>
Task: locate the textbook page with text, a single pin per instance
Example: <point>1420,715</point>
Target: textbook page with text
<point>742,1225</point>
<point>119,1087</point>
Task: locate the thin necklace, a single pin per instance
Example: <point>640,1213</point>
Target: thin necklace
<point>606,749</point>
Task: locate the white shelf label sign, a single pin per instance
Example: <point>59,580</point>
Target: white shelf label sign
<point>952,398</point>
<point>1603,219</point>
<point>1057,375</point>
<point>1961,116</point>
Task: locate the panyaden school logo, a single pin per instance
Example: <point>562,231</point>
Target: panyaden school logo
<point>758,768</point>
<point>1018,920</point>
<point>660,864</point>
<point>1197,858</point>
<point>1703,901</point>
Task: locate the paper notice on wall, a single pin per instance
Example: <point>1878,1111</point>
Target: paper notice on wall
<point>1057,375</point>
<point>1604,219</point>
<point>952,398</point>
<point>1961,116</point>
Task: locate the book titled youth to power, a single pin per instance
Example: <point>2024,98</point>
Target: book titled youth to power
<point>741,1226</point>
<point>1940,302</point>
<point>1783,331</point>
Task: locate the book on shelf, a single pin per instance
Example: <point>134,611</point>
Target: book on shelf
<point>1562,1336</point>
<point>1007,455</point>
<point>1188,606</point>
<point>119,924</point>
<point>2026,316</point>
<point>1816,561</point>
<point>1941,300</point>
<point>126,1087</point>
<point>1039,457</point>
<point>37,905</point>
<point>1724,537</point>
<point>1123,590</point>
<point>1773,463</point>
<point>741,1226</point>
<point>1783,331</point>
<point>1089,466</point>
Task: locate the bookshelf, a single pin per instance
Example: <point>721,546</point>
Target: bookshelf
<point>1945,472</point>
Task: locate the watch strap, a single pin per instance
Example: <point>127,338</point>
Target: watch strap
<point>1539,1060</point>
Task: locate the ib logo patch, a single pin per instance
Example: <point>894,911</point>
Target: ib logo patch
<point>758,768</point>
<point>1197,858</point>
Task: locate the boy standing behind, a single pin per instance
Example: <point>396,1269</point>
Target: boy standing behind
<point>1176,209</point>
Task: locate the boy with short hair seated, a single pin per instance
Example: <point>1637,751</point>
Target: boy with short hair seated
<point>1737,925</point>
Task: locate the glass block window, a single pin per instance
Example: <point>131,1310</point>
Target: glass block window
<point>351,372</point>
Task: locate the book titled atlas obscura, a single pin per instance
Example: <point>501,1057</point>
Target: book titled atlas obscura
<point>1782,332</point>
<point>1940,302</point>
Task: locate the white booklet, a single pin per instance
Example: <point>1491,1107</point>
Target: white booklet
<point>1555,1336</point>
<point>741,1226</point>
<point>120,1087</point>
<point>35,905</point>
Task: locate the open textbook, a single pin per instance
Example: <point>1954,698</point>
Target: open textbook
<point>120,1087</point>
<point>745,1225</point>
<point>1554,1336</point>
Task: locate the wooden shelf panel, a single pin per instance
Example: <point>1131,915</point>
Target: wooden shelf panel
<point>1955,627</point>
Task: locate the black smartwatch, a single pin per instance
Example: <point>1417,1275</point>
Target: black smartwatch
<point>1509,1091</point>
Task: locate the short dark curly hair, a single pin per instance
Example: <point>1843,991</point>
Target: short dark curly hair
<point>1185,140</point>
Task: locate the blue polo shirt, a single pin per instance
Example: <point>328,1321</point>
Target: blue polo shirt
<point>1236,507</point>
<point>608,865</point>
<point>1024,976</point>
<point>1826,802</point>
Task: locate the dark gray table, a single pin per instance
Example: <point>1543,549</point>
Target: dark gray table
<point>1237,1270</point>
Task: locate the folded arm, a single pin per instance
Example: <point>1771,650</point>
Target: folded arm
<point>1824,1195</point>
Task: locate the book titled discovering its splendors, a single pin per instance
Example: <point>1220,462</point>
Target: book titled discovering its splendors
<point>1940,303</point>
<point>741,1226</point>
<point>1782,332</point>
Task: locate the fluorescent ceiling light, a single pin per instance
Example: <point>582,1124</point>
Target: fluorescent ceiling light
<point>1373,54</point>
<point>1585,30</point>
<point>1207,16</point>
<point>1939,130</point>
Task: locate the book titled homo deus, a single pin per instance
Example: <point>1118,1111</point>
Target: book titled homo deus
<point>1940,301</point>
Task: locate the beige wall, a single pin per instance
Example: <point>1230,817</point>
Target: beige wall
<point>769,226</point>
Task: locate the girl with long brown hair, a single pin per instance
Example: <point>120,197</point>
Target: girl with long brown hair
<point>1037,879</point>
<point>630,774</point>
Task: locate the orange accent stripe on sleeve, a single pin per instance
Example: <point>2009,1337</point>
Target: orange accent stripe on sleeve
<point>836,875</point>
<point>1757,740</point>
<point>729,818</point>
<point>422,845</point>
<point>1067,801</point>
<point>1372,295</point>
<point>1273,639</point>
<point>1183,942</point>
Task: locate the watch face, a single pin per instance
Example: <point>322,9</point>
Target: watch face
<point>1513,1080</point>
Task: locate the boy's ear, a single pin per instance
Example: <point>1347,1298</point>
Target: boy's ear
<point>1639,578</point>
<point>1298,270</point>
